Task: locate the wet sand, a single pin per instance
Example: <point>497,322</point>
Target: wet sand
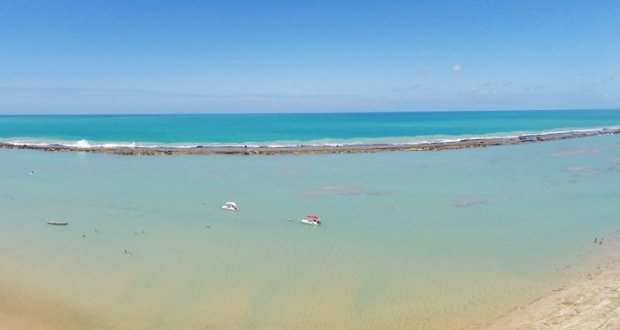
<point>309,149</point>
<point>592,302</point>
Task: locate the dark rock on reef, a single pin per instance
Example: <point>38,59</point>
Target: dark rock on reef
<point>306,149</point>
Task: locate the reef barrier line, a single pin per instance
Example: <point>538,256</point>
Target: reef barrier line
<point>313,149</point>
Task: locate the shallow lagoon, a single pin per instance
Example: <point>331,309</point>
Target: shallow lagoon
<point>409,239</point>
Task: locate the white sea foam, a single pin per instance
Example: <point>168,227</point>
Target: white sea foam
<point>82,144</point>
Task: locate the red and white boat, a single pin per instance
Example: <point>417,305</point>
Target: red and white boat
<point>311,220</point>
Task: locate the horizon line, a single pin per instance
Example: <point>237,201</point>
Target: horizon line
<point>299,113</point>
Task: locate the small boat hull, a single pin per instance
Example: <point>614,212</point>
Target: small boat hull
<point>230,206</point>
<point>310,222</point>
<point>57,223</point>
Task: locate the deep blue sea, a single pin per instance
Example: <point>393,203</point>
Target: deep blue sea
<point>292,129</point>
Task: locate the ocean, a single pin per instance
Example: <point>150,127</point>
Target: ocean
<point>291,129</point>
<point>418,240</point>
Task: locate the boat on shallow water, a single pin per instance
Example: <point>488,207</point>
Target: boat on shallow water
<point>57,223</point>
<point>311,219</point>
<point>230,206</point>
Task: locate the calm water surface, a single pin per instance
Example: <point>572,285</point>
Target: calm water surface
<point>409,239</point>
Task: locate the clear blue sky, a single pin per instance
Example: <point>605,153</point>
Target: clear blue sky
<point>294,56</point>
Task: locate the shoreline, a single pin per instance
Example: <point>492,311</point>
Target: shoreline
<point>309,149</point>
<point>591,302</point>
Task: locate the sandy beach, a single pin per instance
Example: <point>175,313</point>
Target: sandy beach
<point>311,149</point>
<point>590,302</point>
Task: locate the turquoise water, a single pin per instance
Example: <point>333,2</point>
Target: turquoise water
<point>291,129</point>
<point>409,239</point>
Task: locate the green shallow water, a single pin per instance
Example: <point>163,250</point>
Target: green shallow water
<point>410,239</point>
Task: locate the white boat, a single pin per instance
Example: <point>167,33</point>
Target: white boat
<point>230,206</point>
<point>311,219</point>
<point>57,223</point>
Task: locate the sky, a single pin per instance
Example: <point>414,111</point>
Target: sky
<point>307,56</point>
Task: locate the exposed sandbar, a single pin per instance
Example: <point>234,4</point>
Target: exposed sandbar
<point>311,149</point>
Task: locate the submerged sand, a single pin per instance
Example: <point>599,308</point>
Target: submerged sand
<point>591,302</point>
<point>311,149</point>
